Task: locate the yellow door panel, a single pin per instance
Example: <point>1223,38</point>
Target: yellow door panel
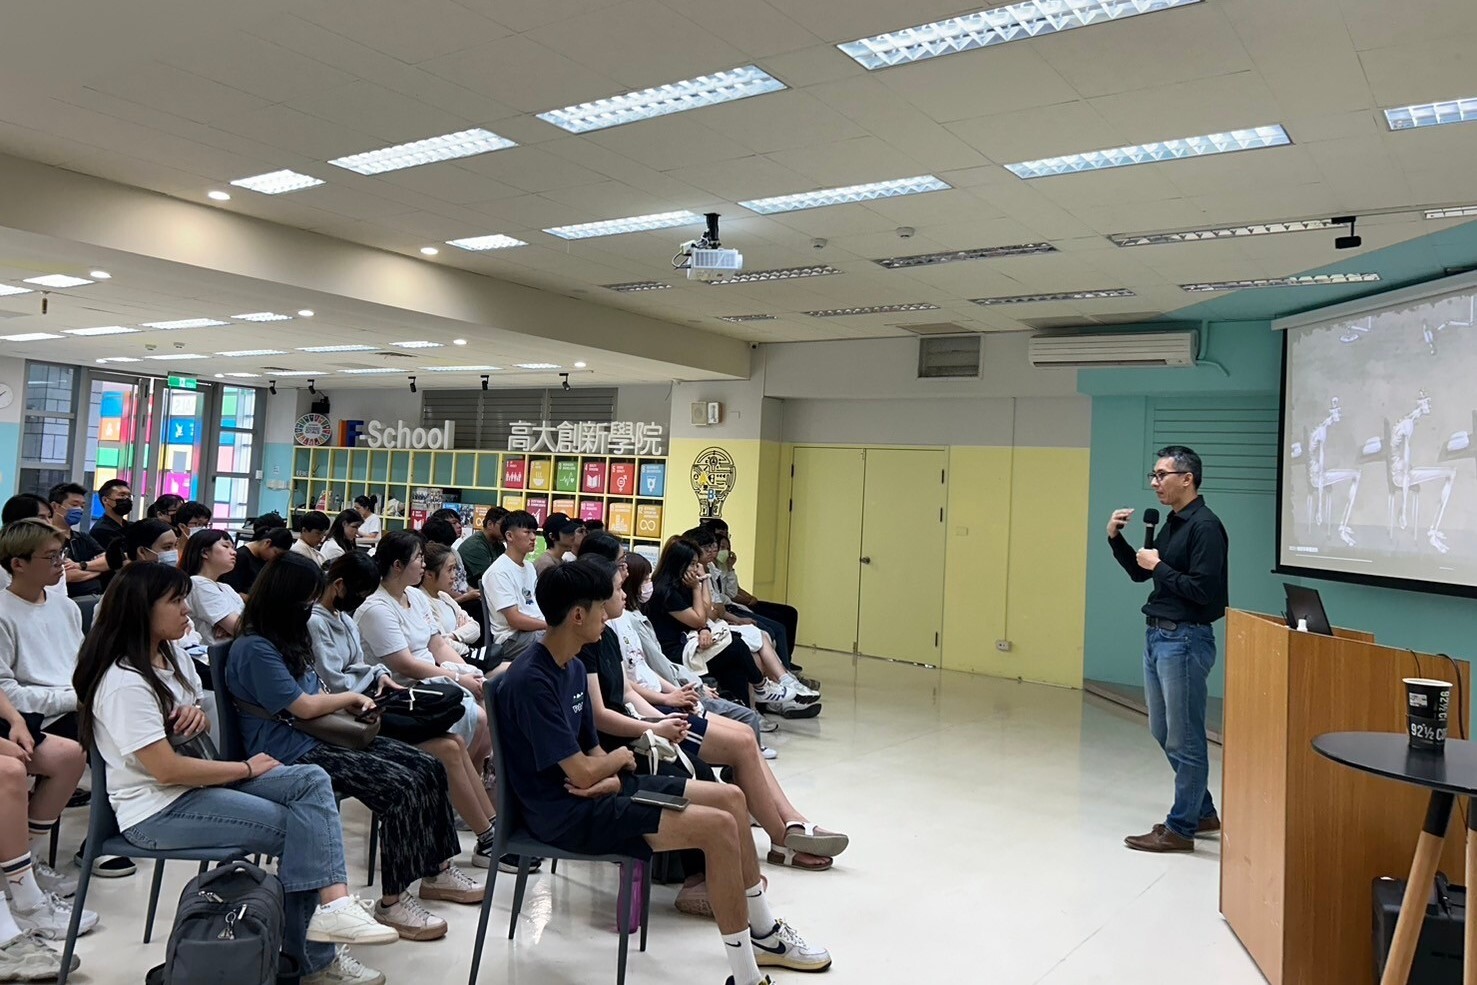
<point>902,556</point>
<point>825,537</point>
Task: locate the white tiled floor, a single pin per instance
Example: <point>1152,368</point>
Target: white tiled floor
<point>986,818</point>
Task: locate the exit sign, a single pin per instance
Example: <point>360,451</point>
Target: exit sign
<point>184,383</point>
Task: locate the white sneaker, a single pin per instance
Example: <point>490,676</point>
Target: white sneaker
<point>64,884</point>
<point>345,970</point>
<point>452,885</point>
<point>800,690</point>
<point>768,752</point>
<point>52,918</point>
<point>792,708</point>
<point>27,958</point>
<point>768,725</point>
<point>411,921</point>
<point>769,692</point>
<point>349,924</point>
<point>784,948</point>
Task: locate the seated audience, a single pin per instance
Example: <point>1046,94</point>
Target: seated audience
<point>442,529</point>
<point>312,531</point>
<point>190,518</point>
<point>559,532</point>
<point>215,607</point>
<point>87,567</point>
<point>117,501</point>
<point>144,541</point>
<point>785,615</point>
<point>576,795</point>
<point>342,665</point>
<point>369,527</point>
<point>513,616</point>
<point>456,627</point>
<point>268,542</point>
<point>137,698</point>
<point>271,672</point>
<point>481,549</point>
<point>342,536</point>
<point>164,508</point>
<point>29,506</point>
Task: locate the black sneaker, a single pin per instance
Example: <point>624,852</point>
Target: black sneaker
<point>80,798</point>
<point>110,866</point>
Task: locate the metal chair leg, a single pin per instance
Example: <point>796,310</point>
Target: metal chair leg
<point>78,901</point>
<point>482,921</point>
<point>645,900</point>
<point>374,842</point>
<point>623,920</point>
<point>56,833</point>
<point>523,863</point>
<point>153,898</point>
<point>553,866</point>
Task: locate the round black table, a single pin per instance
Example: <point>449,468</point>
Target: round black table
<point>1448,775</point>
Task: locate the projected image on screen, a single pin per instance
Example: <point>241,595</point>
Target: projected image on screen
<point>1380,474</point>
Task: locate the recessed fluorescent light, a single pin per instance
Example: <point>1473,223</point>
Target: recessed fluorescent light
<point>537,365</point>
<point>7,290</point>
<point>370,372</point>
<point>674,97</point>
<point>429,251</point>
<point>338,348</point>
<point>261,316</point>
<point>1431,114</point>
<point>954,256</point>
<point>1254,138</point>
<point>637,285</point>
<point>779,273</point>
<point>101,330</point>
<point>218,196</point>
<point>986,28</point>
<point>177,355</point>
<point>119,359</point>
<point>277,182</point>
<point>417,344</point>
<point>1455,212</point>
<point>630,224</point>
<point>458,341</point>
<point>184,323</point>
<point>497,241</point>
<point>28,337</point>
<point>236,353</point>
<point>305,312</point>
<point>244,376</point>
<point>1114,292</point>
<point>740,319</point>
<point>58,280</point>
<point>848,193</point>
<point>1300,280</point>
<point>100,275</point>
<point>1224,232</point>
<point>447,147</point>
<point>876,309</point>
<point>459,369</point>
<point>580,365</point>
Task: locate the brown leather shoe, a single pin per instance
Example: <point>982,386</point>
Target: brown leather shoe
<point>1161,840</point>
<point>1209,826</point>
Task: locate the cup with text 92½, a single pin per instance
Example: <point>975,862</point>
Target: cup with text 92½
<point>1427,704</point>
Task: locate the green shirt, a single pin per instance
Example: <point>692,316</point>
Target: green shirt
<point>478,553</point>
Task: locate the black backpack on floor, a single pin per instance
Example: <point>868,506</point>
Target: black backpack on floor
<point>227,931</point>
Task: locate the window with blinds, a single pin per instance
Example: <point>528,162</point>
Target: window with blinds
<point>1235,437</point>
<point>484,417</point>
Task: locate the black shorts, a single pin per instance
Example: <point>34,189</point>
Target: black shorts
<point>64,727</point>
<point>616,825</point>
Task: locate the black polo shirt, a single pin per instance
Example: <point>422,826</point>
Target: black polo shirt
<point>1190,583</point>
<point>81,548</point>
<point>105,531</point>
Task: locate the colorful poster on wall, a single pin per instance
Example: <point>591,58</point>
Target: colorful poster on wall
<point>621,517</point>
<point>649,521</point>
<point>565,506</point>
<point>713,477</point>
<point>592,509</point>
<point>538,473</point>
<point>594,477</point>
<point>653,479</point>
<point>539,507</point>
<point>623,478</point>
<point>177,483</point>
<point>511,503</point>
<point>514,472</point>
<point>567,475</point>
<point>479,513</point>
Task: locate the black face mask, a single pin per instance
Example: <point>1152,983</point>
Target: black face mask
<point>123,507</point>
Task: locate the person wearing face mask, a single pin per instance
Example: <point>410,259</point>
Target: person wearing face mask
<point>165,507</point>
<point>144,541</point>
<point>88,572</point>
<point>117,500</point>
<point>190,519</point>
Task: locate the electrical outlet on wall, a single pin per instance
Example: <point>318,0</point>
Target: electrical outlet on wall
<point>1003,646</point>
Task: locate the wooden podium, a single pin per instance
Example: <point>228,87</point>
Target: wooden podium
<point>1302,837</point>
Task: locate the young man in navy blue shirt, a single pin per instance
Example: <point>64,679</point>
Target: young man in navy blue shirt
<point>579,797</point>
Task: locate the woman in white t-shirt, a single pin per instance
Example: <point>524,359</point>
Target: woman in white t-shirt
<point>342,536</point>
<point>215,608</point>
<point>400,630</point>
<point>369,530</point>
<point>138,701</point>
<point>459,629</point>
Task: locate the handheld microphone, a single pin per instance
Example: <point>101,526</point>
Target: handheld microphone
<point>1151,520</point>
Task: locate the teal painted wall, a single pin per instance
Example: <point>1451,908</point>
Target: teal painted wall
<point>1237,337</point>
<point>10,456</point>
<point>276,467</point>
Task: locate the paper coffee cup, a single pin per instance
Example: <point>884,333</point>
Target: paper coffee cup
<point>1427,698</point>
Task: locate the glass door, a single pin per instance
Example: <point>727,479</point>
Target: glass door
<point>235,458</point>
<point>119,422</point>
<point>182,428</point>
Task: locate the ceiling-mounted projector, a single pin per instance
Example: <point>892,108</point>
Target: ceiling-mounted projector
<point>705,259</point>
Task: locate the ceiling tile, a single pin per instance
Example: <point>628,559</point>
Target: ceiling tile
<point>887,115</point>
<point>738,179</point>
<point>411,32</point>
<point>298,134</point>
<point>639,43</point>
<point>1372,24</point>
<point>531,169</point>
<point>450,183</point>
<point>754,27</point>
<point>847,162</point>
<point>1187,109</point>
<point>1418,73</point>
<point>863,18</point>
<point>525,15</point>
<point>260,68</point>
<point>962,87</point>
<point>666,143</point>
<point>373,109</point>
<point>176,91</point>
<point>778,121</point>
<point>1027,134</point>
<point>523,73</point>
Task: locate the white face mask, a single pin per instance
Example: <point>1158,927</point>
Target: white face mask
<point>645,594</point>
<point>169,558</point>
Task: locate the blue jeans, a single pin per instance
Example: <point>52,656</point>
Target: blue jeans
<point>1176,665</point>
<point>288,813</point>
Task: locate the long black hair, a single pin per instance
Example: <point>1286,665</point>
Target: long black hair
<point>337,532</point>
<point>398,545</point>
<point>196,546</point>
<point>602,544</point>
<point>359,575</point>
<point>278,608</point>
<point>122,635</point>
<point>672,568</point>
<point>638,569</point>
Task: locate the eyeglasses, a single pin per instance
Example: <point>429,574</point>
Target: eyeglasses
<point>1161,476</point>
<point>56,560</point>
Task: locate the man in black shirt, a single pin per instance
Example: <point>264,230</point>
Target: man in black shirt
<point>117,500</point>
<point>268,543</point>
<point>1187,565</point>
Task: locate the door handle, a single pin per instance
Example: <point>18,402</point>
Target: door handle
<point>866,560</point>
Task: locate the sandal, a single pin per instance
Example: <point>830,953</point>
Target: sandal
<point>803,836</point>
<point>781,855</point>
<point>693,900</point>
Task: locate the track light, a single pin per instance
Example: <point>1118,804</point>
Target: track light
<point>565,378</point>
<point>484,381</point>
<point>1349,242</point>
<point>412,384</point>
<point>312,389</point>
<point>272,387</point>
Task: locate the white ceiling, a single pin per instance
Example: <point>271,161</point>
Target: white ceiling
<point>181,96</point>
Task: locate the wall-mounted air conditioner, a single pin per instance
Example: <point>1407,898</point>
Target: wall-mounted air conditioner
<point>1099,351</point>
